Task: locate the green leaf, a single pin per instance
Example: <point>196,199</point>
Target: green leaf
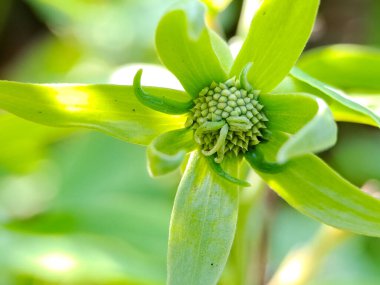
<point>188,49</point>
<point>108,108</point>
<point>352,68</point>
<point>370,101</point>
<point>277,36</point>
<point>108,221</point>
<point>161,102</point>
<point>167,151</point>
<point>218,169</point>
<point>344,109</point>
<point>306,117</point>
<point>202,225</point>
<point>313,188</point>
<point>357,153</point>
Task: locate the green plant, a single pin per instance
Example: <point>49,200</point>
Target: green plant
<point>232,111</point>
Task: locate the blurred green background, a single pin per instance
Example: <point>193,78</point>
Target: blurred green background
<point>79,207</point>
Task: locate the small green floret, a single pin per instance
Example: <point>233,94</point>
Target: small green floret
<point>226,119</point>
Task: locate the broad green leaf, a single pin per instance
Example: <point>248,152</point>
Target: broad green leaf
<point>188,49</point>
<point>105,219</point>
<point>352,68</point>
<point>317,135</point>
<point>108,108</point>
<point>277,36</point>
<point>313,188</point>
<point>357,153</point>
<point>306,117</point>
<point>167,151</point>
<point>202,225</point>
<point>288,112</point>
<point>344,108</point>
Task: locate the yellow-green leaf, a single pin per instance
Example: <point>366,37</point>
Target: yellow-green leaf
<point>343,107</point>
<point>277,36</point>
<point>203,224</point>
<point>196,55</point>
<point>167,151</point>
<point>108,108</point>
<point>306,118</point>
<point>312,187</point>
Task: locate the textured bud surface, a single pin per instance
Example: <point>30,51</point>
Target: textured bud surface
<point>227,118</point>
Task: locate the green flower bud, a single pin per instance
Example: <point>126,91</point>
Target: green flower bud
<point>227,119</point>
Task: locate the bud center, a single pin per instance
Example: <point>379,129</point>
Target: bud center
<point>227,119</point>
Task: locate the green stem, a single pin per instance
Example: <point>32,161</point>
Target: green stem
<point>243,267</point>
<point>300,266</point>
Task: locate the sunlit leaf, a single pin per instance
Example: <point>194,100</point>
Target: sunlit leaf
<point>307,118</point>
<point>167,151</point>
<point>188,49</point>
<point>202,225</point>
<point>277,36</point>
<point>344,108</point>
<point>352,68</point>
<point>108,108</point>
<point>313,188</point>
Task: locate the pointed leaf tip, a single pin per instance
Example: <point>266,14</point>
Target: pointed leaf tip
<point>217,168</point>
<point>161,102</point>
<point>192,52</point>
<point>277,36</point>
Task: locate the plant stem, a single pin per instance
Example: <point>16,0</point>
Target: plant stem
<point>262,258</point>
<point>301,265</point>
<point>243,267</point>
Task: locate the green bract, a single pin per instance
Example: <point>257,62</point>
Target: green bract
<point>231,110</point>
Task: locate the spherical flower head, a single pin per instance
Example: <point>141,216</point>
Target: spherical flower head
<point>227,119</point>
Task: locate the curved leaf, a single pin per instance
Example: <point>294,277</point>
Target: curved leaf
<point>187,48</point>
<point>160,101</point>
<point>277,36</point>
<point>218,169</point>
<point>306,117</point>
<point>313,188</point>
<point>343,107</point>
<point>108,108</point>
<point>352,68</point>
<point>203,224</point>
<point>167,151</point>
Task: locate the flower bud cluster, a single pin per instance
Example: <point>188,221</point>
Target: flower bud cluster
<point>228,104</point>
